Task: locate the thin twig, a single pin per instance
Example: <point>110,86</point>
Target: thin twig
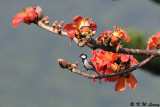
<point>53,30</point>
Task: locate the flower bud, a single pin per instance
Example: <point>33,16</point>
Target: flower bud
<point>47,21</point>
<point>61,24</point>
<point>54,24</point>
<point>39,13</point>
<point>62,63</point>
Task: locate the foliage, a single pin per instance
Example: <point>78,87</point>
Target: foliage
<point>156,1</point>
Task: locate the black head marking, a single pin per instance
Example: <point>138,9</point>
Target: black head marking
<point>83,56</point>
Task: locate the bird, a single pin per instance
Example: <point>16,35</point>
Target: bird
<point>88,64</point>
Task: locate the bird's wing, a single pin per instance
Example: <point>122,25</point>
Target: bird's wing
<point>93,67</point>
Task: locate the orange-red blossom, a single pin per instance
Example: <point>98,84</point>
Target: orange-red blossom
<point>109,62</point>
<point>154,41</point>
<point>28,15</point>
<point>112,38</point>
<point>80,28</point>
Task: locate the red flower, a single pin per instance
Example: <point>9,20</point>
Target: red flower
<point>126,62</point>
<point>103,61</point>
<point>113,67</point>
<point>119,34</point>
<point>109,62</point>
<point>28,15</point>
<point>154,41</point>
<point>112,38</point>
<point>80,27</point>
<point>102,58</point>
<point>126,78</point>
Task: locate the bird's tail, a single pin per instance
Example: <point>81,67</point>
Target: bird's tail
<point>96,71</point>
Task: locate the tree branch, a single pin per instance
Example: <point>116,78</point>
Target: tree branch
<point>94,44</point>
<point>53,30</point>
<point>92,76</point>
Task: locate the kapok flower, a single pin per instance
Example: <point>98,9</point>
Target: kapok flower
<point>109,62</point>
<point>126,62</point>
<point>29,15</point>
<point>113,67</point>
<point>102,60</point>
<point>118,34</point>
<point>112,38</point>
<point>80,28</point>
<point>154,41</point>
<point>126,78</point>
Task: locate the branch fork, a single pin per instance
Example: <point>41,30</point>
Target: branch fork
<point>94,44</point>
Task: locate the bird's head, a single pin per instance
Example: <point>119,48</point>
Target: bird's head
<point>83,56</point>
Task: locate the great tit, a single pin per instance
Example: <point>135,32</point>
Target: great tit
<point>88,64</point>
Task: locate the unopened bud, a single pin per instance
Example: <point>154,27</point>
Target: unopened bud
<point>54,24</point>
<point>39,13</point>
<point>62,63</point>
<point>47,21</point>
<point>61,24</point>
<point>92,33</point>
<point>58,30</point>
<point>84,33</point>
<point>69,66</point>
<point>75,65</point>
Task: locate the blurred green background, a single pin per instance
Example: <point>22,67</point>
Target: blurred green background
<point>30,75</point>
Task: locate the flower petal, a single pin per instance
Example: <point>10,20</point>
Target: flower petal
<point>94,27</point>
<point>126,37</point>
<point>78,20</point>
<point>106,32</point>
<point>26,21</point>
<point>18,15</point>
<point>133,61</point>
<point>121,84</point>
<point>69,26</point>
<point>16,21</point>
<point>38,9</point>
<point>112,79</point>
<point>32,15</point>
<point>87,22</point>
<point>150,45</point>
<point>94,80</point>
<point>124,57</point>
<point>116,31</point>
<point>99,79</point>
<point>156,38</point>
<point>99,38</point>
<point>71,34</point>
<point>132,82</point>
